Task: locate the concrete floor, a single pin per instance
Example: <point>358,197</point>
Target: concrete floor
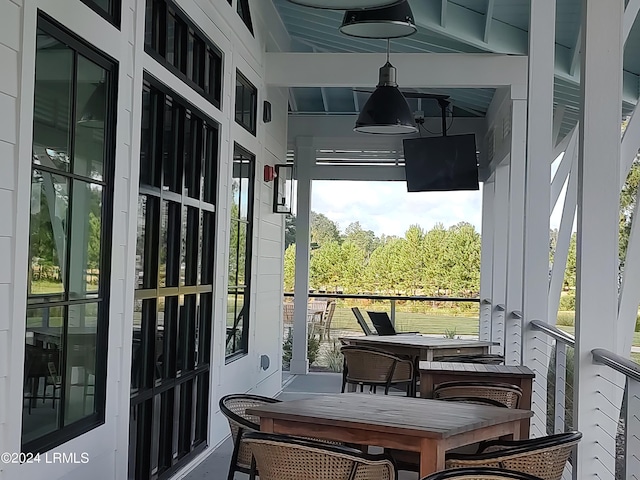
<point>216,465</point>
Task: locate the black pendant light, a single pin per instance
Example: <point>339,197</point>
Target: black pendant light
<point>93,114</point>
<point>389,22</point>
<point>387,111</point>
<point>344,4</point>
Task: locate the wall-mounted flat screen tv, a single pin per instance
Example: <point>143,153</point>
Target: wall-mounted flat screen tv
<point>436,164</point>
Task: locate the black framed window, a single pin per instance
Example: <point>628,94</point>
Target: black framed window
<point>174,295</point>
<point>71,211</point>
<point>246,103</point>
<point>245,14</point>
<point>175,41</point>
<point>241,235</point>
<point>107,9</point>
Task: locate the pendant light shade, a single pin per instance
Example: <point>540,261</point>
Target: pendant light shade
<point>387,111</point>
<point>390,22</point>
<point>344,4</point>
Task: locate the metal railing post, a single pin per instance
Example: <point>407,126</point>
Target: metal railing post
<point>560,384</point>
<point>393,312</point>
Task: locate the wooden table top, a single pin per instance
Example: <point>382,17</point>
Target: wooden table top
<point>391,414</point>
<point>453,368</point>
<point>417,341</point>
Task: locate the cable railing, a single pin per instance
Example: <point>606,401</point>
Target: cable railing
<point>628,426</point>
<point>557,352</point>
<point>449,316</point>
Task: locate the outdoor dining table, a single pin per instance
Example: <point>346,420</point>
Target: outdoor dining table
<point>428,427</point>
<point>421,347</point>
<point>433,373</point>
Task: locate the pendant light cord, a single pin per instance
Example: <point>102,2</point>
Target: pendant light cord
<point>388,48</point>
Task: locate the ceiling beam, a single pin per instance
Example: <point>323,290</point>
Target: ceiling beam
<point>630,14</point>
<point>415,70</point>
<point>443,13</point>
<point>488,19</point>
<point>467,26</point>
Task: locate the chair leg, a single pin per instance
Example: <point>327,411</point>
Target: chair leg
<point>234,456</point>
<point>253,471</point>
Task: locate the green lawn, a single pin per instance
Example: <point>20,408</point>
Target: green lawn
<point>571,330</point>
<point>434,323</point>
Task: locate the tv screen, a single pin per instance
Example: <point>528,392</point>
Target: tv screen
<point>437,164</point>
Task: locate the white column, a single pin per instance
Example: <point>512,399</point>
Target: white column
<point>499,275</point>
<point>515,242</point>
<point>597,237</point>
<point>305,157</point>
<point>486,259</point>
<point>535,288</point>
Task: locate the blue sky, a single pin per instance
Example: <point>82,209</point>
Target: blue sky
<point>387,208</point>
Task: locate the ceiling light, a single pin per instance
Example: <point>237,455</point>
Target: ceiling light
<point>389,22</point>
<point>344,4</point>
<point>387,111</point>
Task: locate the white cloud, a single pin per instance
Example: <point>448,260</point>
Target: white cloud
<point>387,208</point>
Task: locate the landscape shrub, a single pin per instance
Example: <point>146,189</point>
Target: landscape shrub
<point>568,302</point>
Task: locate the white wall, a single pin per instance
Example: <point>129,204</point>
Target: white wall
<point>107,445</point>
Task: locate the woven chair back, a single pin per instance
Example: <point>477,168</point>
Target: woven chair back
<point>372,366</point>
<point>234,407</point>
<point>481,473</point>
<point>290,459</point>
<point>287,313</point>
<point>507,395</point>
<point>544,457</point>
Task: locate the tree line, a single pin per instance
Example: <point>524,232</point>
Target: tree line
<point>440,261</point>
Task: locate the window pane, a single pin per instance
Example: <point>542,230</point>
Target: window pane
<point>86,229</point>
<point>80,375</point>
<point>140,240</point>
<point>239,100</point>
<point>193,157</point>
<point>169,244</point>
<point>165,338</point>
<point>137,353</point>
<point>52,103</point>
<point>245,192</point>
<point>42,385</point>
<point>233,253</point>
<point>209,176</point>
<point>242,253</point>
<point>91,107</point>
<point>48,230</point>
<point>191,225</point>
<point>208,244</point>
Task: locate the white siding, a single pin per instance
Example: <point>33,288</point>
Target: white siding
<point>107,445</point>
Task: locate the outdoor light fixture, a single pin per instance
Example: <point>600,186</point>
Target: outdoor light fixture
<point>344,4</point>
<point>389,22</point>
<point>387,111</point>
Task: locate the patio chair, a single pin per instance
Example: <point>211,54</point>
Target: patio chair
<point>382,323</point>
<point>361,321</point>
<point>377,368</point>
<point>483,473</point>
<point>543,457</point>
<point>327,317</point>
<point>234,407</point>
<point>280,457</point>
<point>507,395</point>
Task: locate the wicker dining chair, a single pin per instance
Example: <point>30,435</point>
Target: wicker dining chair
<point>508,395</point>
<point>234,407</point>
<point>280,457</point>
<point>543,457</point>
<point>482,473</point>
<point>377,368</point>
<point>485,358</point>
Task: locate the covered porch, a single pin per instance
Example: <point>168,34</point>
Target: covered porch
<point>549,137</point>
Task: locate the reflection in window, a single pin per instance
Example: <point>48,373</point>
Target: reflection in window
<point>240,252</point>
<point>174,271</point>
<point>68,284</point>
<point>246,103</point>
<point>245,14</point>
<point>172,38</point>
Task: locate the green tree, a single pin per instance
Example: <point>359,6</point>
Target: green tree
<point>366,240</point>
<point>463,251</point>
<point>436,274</point>
<point>289,268</point>
<point>289,230</point>
<point>325,268</point>
<point>323,230</point>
